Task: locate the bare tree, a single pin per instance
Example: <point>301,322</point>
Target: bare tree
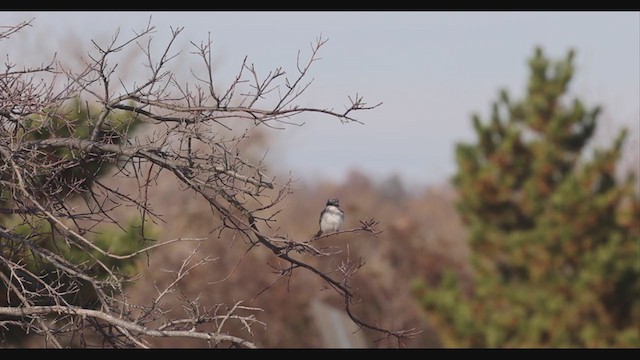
<point>194,131</point>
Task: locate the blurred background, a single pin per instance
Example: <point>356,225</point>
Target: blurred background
<point>451,261</point>
<point>431,70</point>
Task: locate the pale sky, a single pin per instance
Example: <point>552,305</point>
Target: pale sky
<point>431,70</point>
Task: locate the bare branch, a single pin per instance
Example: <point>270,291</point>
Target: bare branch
<point>84,313</point>
<point>66,136</point>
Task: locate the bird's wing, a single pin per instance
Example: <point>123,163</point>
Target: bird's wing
<point>321,215</point>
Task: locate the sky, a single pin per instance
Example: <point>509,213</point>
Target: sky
<point>431,71</point>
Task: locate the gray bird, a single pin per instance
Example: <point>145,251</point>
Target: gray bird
<point>331,218</point>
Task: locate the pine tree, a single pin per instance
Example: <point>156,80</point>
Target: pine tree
<point>554,235</point>
<point>72,172</point>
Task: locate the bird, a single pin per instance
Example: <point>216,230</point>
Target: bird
<point>331,218</point>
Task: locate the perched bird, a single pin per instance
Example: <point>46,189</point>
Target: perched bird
<point>331,218</point>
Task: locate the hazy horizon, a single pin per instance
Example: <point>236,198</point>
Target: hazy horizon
<point>431,70</point>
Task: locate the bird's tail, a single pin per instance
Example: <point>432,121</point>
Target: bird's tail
<point>317,234</point>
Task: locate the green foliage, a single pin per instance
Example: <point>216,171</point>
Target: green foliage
<point>554,235</point>
<point>73,171</point>
<point>93,262</point>
<point>110,240</point>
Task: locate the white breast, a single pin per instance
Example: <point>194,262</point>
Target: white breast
<point>331,220</point>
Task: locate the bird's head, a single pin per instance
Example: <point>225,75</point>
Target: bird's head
<point>334,202</point>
